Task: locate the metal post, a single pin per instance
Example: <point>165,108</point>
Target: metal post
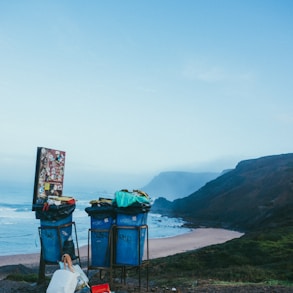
<point>42,265</point>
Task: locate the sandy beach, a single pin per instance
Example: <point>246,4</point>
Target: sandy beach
<point>195,239</point>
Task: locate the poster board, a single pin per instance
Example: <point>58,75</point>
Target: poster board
<point>49,174</point>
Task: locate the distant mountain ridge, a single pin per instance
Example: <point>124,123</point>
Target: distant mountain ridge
<point>257,193</point>
<point>174,184</point>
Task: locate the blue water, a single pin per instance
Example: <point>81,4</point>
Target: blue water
<point>19,227</point>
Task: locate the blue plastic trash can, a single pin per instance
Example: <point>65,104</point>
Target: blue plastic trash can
<point>54,233</point>
<point>130,238</point>
<point>102,219</point>
<point>100,240</point>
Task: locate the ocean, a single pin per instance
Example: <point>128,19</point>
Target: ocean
<point>19,227</point>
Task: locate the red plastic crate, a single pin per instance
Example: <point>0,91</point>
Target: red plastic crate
<point>102,288</point>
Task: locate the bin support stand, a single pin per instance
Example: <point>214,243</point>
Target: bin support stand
<point>113,231</point>
<point>43,262</point>
<point>140,262</point>
<point>42,265</point>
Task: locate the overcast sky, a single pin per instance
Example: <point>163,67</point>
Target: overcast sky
<point>139,87</point>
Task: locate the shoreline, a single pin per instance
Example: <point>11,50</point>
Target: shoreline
<point>158,247</point>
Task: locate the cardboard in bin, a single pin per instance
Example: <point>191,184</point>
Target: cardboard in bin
<point>102,288</point>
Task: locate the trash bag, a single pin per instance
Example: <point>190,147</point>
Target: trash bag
<point>124,198</point>
<point>63,281</point>
<point>53,212</point>
<point>99,212</point>
<point>82,279</point>
<point>134,209</point>
<point>69,248</point>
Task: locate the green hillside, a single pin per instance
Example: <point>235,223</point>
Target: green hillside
<point>257,193</point>
<point>255,197</point>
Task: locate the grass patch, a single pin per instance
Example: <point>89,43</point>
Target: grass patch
<point>270,283</point>
<point>259,257</point>
<point>30,278</point>
<point>279,283</point>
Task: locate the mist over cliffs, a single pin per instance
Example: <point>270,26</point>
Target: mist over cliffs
<point>173,185</point>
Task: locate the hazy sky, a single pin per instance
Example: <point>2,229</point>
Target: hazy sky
<point>140,87</point>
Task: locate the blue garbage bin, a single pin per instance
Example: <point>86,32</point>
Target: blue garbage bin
<point>53,236</point>
<point>102,219</point>
<point>130,237</point>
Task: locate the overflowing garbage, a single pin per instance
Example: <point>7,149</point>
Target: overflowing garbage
<point>116,218</point>
<point>71,278</point>
<point>126,210</point>
<point>58,245</point>
<point>136,200</point>
<point>133,203</point>
<point>54,208</point>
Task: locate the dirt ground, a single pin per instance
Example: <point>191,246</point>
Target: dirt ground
<point>130,286</point>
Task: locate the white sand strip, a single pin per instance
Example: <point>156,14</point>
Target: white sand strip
<point>161,247</point>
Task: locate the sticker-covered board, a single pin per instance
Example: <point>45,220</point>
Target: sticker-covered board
<point>49,174</point>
